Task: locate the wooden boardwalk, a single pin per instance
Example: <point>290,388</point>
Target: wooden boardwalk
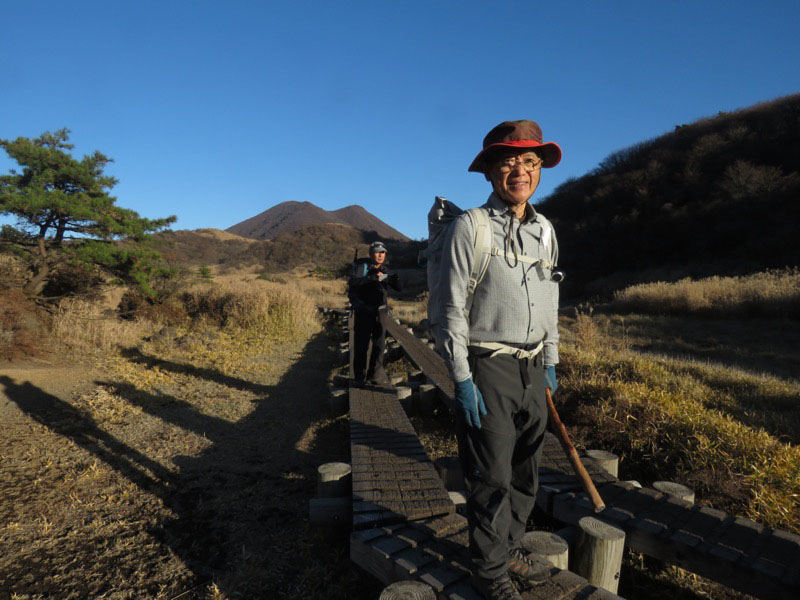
<point>734,551</point>
<point>393,478</point>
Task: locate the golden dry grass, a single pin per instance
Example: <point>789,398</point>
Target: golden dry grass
<point>770,293</point>
<point>410,311</point>
<point>87,328</point>
<point>708,424</point>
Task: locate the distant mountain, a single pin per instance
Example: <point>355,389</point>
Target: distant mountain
<point>714,197</point>
<point>291,216</point>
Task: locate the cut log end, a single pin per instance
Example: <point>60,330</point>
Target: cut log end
<point>408,590</point>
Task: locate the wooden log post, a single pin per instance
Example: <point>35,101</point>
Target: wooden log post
<point>676,490</point>
<point>459,498</point>
<point>416,375</point>
<point>396,379</point>
<point>426,399</point>
<point>449,469</point>
<point>405,398</point>
<point>338,401</point>
<point>408,590</point>
<point>598,553</point>
<point>606,460</point>
<point>334,480</point>
<point>547,546</point>
<point>330,511</point>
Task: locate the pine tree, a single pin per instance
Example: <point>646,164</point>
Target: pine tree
<point>65,213</point>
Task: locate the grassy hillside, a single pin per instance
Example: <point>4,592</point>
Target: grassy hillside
<point>716,197</point>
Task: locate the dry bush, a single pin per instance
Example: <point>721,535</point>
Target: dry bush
<point>770,293</point>
<point>276,309</point>
<point>21,330</point>
<point>86,327</point>
<point>13,272</point>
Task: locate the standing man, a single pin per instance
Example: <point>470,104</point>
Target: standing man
<point>501,346</point>
<point>367,294</point>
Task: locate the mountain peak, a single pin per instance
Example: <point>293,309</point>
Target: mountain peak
<point>293,215</point>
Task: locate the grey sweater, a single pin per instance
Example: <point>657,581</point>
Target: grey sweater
<point>515,303</point>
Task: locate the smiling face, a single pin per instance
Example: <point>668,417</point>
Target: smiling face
<point>378,257</point>
<point>515,175</point>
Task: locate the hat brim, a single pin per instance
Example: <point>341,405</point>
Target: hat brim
<point>550,151</point>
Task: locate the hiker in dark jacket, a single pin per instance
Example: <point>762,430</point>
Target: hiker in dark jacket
<point>501,346</point>
<point>367,293</point>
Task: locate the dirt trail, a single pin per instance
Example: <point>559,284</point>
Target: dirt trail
<point>157,477</point>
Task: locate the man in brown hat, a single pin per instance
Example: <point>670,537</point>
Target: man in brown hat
<point>500,342</point>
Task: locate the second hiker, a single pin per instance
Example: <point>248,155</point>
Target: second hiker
<point>367,293</point>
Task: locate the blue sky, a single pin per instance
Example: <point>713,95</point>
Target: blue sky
<point>216,111</point>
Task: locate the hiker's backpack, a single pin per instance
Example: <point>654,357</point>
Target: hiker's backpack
<point>441,216</point>
<point>358,270</point>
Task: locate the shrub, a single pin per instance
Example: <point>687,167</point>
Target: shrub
<point>86,327</point>
<point>774,293</point>
<point>22,332</point>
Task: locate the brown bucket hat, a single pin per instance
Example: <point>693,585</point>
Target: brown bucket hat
<point>516,134</point>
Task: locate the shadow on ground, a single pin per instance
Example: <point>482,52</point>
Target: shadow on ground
<point>240,508</point>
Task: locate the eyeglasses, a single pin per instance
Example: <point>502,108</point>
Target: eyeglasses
<point>508,164</point>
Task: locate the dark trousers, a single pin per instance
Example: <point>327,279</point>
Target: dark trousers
<point>367,327</point>
<point>501,459</point>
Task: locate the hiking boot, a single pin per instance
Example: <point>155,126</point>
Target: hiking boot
<point>527,568</point>
<point>499,588</point>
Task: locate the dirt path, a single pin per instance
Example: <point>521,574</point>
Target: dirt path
<point>161,475</point>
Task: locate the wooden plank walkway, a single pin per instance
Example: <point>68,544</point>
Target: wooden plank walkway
<point>434,551</point>
<point>421,355</point>
<point>734,551</point>
<point>393,478</point>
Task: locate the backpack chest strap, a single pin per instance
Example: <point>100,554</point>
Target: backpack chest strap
<point>494,251</point>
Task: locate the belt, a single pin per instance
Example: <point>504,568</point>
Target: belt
<point>517,351</point>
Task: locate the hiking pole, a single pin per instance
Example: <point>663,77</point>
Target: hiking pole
<point>572,454</point>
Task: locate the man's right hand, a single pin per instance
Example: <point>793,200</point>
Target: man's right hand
<point>470,401</point>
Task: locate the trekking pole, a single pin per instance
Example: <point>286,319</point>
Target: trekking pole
<point>572,454</point>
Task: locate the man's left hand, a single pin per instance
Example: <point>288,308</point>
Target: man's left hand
<point>550,378</point>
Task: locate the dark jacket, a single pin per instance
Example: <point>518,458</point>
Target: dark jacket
<point>367,289</point>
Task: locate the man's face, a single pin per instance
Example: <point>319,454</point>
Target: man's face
<point>515,175</point>
<point>378,257</point>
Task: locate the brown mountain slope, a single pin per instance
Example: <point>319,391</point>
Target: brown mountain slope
<point>291,216</point>
<point>356,216</point>
<point>200,246</point>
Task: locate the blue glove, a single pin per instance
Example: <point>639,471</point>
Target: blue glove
<point>470,400</point>
<point>550,378</point>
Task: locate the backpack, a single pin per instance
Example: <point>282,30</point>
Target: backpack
<point>440,217</point>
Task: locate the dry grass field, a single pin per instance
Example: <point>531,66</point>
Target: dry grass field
<point>172,454</point>
<point>175,458</point>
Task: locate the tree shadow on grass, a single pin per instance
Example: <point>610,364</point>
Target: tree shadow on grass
<point>70,422</point>
<point>240,507</point>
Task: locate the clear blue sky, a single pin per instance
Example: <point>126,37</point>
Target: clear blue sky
<point>216,111</point>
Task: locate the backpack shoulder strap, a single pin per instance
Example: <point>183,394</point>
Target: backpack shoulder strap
<point>482,249</point>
